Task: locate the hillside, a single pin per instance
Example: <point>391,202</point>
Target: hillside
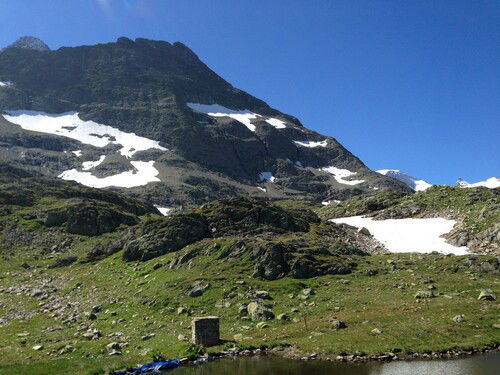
<point>476,212</point>
<point>83,268</point>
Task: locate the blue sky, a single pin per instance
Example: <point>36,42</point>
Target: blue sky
<point>413,85</point>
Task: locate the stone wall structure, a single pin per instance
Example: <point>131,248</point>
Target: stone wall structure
<point>205,330</point>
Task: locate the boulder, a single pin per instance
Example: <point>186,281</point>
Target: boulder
<point>283,317</point>
<point>261,325</point>
<point>262,294</point>
<point>424,294</point>
<point>364,231</point>
<point>197,288</point>
<point>337,324</point>
<point>458,318</point>
<point>242,310</point>
<point>308,292</point>
<point>487,295</point>
<point>259,312</point>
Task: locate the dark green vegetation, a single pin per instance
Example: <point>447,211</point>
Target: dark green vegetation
<point>143,86</point>
<point>477,212</point>
<point>66,295</point>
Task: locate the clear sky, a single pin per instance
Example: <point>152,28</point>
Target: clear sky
<point>412,85</point>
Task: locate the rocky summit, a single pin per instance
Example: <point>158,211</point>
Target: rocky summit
<point>150,118</point>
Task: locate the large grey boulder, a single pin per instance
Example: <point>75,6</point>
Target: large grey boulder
<point>259,312</point>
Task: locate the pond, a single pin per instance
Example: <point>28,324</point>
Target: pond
<point>487,364</point>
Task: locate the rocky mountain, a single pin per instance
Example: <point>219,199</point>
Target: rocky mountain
<point>30,42</point>
<point>149,118</point>
<point>414,183</point>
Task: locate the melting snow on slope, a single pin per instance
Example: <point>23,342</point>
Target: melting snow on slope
<point>144,173</point>
<point>244,116</point>
<point>340,175</point>
<point>266,176</point>
<point>312,143</point>
<point>491,183</point>
<point>408,235</point>
<point>87,165</point>
<point>326,203</point>
<point>412,182</point>
<point>89,132</point>
<point>278,124</point>
<point>163,210</point>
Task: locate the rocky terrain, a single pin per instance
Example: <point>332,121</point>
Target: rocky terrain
<point>96,280</point>
<point>94,277</point>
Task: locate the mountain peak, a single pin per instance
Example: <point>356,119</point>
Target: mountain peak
<point>30,42</point>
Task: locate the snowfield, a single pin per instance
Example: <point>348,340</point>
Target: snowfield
<point>340,175</point>
<point>412,182</point>
<point>144,172</point>
<point>408,235</point>
<point>89,132</point>
<point>312,143</point>
<point>95,134</point>
<point>244,116</point>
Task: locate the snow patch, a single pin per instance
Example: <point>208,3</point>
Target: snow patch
<point>262,188</point>
<point>5,83</point>
<point>340,174</point>
<point>164,210</point>
<point>77,153</point>
<point>326,203</point>
<point>299,164</point>
<point>491,183</point>
<point>312,144</point>
<point>408,235</point>
<point>143,173</point>
<point>89,132</point>
<point>278,124</point>
<point>244,116</point>
<point>414,183</point>
<point>266,176</point>
<point>87,165</point>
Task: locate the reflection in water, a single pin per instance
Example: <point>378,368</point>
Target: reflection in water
<point>488,364</point>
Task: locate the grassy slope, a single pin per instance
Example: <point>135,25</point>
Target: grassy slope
<point>147,300</point>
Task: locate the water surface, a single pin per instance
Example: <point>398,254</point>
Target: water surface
<point>487,364</point>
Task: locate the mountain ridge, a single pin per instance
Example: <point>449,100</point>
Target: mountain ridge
<point>165,93</point>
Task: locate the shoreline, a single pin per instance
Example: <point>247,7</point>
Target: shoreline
<point>294,353</point>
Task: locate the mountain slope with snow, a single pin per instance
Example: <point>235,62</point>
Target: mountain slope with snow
<point>490,183</point>
<point>414,183</point>
<point>123,100</point>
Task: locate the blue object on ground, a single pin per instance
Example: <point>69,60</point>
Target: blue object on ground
<point>151,368</point>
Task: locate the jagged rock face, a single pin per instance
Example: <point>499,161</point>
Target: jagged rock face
<point>30,42</point>
<point>148,88</point>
